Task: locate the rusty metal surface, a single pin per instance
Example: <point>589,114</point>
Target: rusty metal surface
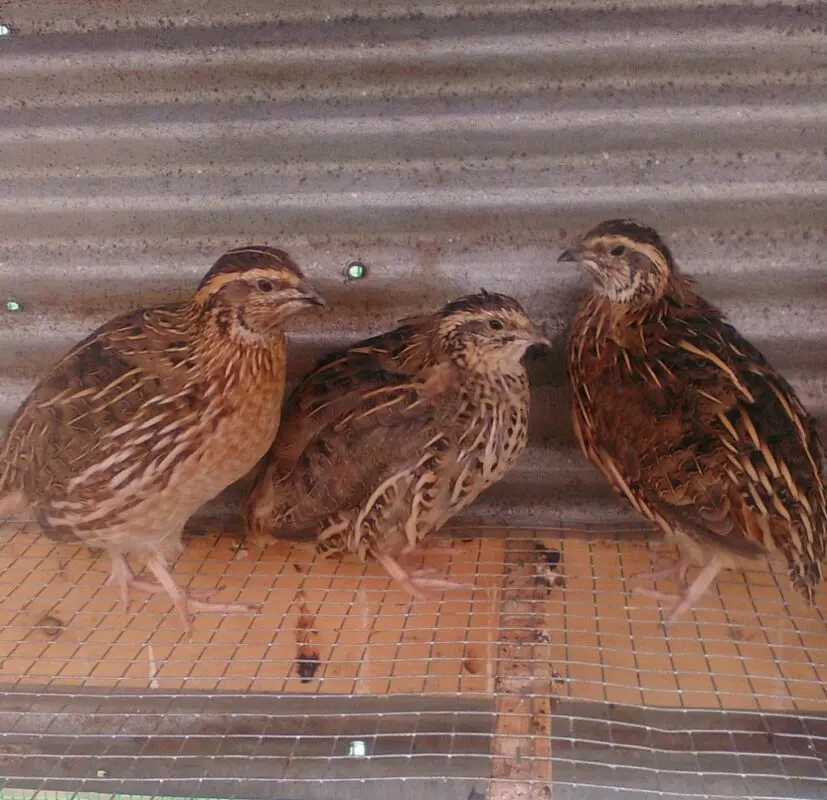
<point>446,146</point>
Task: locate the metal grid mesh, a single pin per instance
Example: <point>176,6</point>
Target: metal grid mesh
<point>544,673</point>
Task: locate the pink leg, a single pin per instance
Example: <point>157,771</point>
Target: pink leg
<point>661,597</point>
<point>123,577</point>
<point>676,569</point>
<point>693,592</point>
<point>187,603</point>
<point>684,601</point>
<point>415,582</point>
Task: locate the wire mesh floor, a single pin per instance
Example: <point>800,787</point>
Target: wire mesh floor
<point>542,676</point>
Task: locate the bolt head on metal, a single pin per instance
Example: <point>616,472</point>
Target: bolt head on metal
<point>357,749</point>
<point>355,271</point>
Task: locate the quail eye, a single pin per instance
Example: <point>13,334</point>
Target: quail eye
<point>495,324</point>
<point>265,286</point>
<point>618,251</point>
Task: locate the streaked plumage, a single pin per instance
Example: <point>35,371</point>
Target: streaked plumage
<point>688,421</point>
<point>154,414</point>
<point>383,443</point>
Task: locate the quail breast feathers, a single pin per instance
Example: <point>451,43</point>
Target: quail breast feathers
<point>688,421</point>
<point>154,414</point>
<point>383,443</point>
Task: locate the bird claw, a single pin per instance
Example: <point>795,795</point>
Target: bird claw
<point>151,587</point>
<point>414,583</point>
<point>147,587</point>
<point>690,595</point>
<point>187,604</point>
<point>417,586</point>
<point>663,597</point>
<point>421,581</point>
<point>679,601</point>
<point>123,577</point>
<point>677,568</point>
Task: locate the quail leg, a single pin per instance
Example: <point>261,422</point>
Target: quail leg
<point>123,577</point>
<point>686,600</point>
<point>187,603</point>
<point>677,568</point>
<point>415,582</point>
<point>695,590</point>
<point>661,597</point>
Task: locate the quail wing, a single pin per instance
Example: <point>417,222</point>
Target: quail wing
<point>71,429</point>
<point>706,436</point>
<point>369,426</point>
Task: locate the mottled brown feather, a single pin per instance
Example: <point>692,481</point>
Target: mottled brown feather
<point>384,442</point>
<point>156,412</point>
<point>689,422</point>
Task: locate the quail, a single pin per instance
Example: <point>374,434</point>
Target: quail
<point>383,443</point>
<point>152,415</point>
<point>688,421</point>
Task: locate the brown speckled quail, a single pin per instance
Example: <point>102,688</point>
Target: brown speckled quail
<point>385,442</point>
<point>154,414</point>
<point>688,421</point>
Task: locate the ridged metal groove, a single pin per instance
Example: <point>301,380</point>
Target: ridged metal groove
<point>448,147</point>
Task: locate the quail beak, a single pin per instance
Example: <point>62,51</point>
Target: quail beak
<point>581,256</point>
<point>540,339</point>
<point>307,294</point>
<point>573,255</point>
<point>534,337</point>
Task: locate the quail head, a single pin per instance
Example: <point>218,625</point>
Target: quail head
<point>154,414</point>
<point>385,442</point>
<point>687,420</point>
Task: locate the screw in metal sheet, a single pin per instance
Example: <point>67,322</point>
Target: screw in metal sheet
<point>355,271</point>
<point>12,306</point>
<point>357,749</point>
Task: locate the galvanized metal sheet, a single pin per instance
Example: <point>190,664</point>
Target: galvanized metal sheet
<point>445,146</point>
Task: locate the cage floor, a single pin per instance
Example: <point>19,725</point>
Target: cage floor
<point>542,674</point>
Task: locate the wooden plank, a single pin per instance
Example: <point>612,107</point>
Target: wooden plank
<point>521,767</point>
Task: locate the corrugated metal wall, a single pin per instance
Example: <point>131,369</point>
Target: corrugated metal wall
<point>448,146</point>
